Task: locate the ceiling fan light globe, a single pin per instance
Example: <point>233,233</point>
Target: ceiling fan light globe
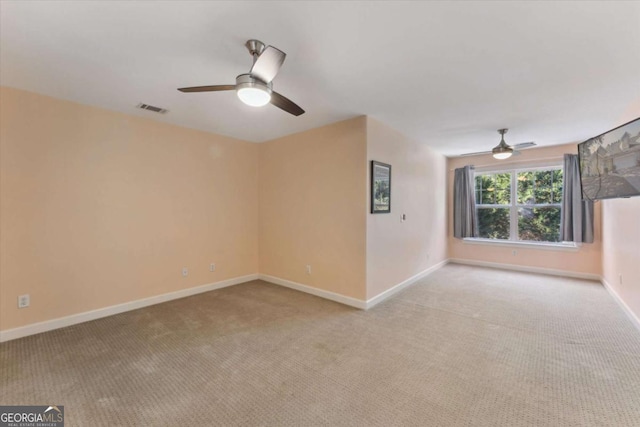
<point>501,156</point>
<point>502,153</point>
<point>254,96</point>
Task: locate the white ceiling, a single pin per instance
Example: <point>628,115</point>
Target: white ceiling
<point>448,74</point>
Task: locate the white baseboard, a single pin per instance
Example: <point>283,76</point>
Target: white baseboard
<point>342,299</point>
<point>632,316</point>
<point>353,302</point>
<point>526,269</point>
<point>400,286</point>
<point>49,325</point>
<point>61,322</point>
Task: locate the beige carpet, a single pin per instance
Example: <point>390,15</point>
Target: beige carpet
<point>466,346</point>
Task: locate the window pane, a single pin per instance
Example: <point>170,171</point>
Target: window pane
<point>493,189</point>
<point>539,224</point>
<point>493,223</point>
<point>478,190</point>
<point>488,190</point>
<point>543,185</point>
<point>557,186</point>
<point>503,188</point>
<point>525,188</point>
<point>539,187</point>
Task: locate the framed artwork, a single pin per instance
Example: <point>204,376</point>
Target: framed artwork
<point>380,187</point>
<point>610,163</point>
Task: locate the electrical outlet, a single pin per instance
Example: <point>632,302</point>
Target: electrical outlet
<point>621,279</point>
<point>212,267</point>
<point>514,252</point>
<point>185,272</point>
<point>24,301</point>
<point>308,268</point>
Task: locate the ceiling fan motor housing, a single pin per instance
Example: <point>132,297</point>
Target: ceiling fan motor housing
<point>248,81</point>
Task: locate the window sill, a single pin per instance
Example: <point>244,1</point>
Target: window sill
<point>565,246</point>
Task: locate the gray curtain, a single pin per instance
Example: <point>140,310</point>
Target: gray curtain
<point>576,223</point>
<point>464,204</point>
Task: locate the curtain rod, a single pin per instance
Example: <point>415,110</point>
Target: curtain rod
<point>514,162</point>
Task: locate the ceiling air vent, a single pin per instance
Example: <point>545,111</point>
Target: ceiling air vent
<point>152,108</point>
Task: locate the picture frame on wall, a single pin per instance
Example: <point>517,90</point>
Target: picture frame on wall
<point>380,187</point>
<point>610,163</point>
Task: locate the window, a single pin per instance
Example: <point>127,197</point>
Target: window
<point>519,205</point>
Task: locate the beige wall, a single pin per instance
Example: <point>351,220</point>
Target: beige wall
<point>312,204</point>
<point>621,249</point>
<point>621,239</point>
<point>587,259</point>
<point>99,208</point>
<point>398,250</point>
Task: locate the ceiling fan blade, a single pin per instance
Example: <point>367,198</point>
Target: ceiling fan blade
<point>216,88</point>
<point>474,154</point>
<point>268,64</point>
<point>524,145</point>
<point>285,104</point>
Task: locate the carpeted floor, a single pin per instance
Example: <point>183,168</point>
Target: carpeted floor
<point>465,346</point>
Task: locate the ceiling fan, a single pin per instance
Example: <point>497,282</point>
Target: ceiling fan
<point>255,88</point>
<point>503,150</point>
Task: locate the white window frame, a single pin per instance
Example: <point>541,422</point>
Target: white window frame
<point>513,211</point>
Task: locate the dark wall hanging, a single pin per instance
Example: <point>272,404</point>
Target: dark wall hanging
<point>380,187</point>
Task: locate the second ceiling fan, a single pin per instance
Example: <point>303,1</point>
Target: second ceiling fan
<point>503,150</point>
<point>255,88</point>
